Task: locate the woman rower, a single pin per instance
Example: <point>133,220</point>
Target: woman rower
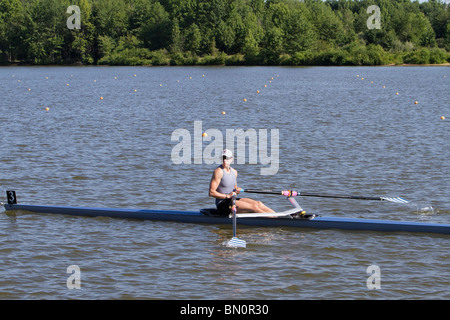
<point>223,187</point>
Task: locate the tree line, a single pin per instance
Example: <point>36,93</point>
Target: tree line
<point>232,32</point>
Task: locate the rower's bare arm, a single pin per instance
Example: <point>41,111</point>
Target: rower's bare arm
<point>236,188</point>
<point>215,181</point>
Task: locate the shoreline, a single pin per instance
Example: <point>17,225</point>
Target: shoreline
<point>218,65</point>
<point>426,65</point>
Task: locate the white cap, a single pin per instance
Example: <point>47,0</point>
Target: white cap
<point>227,153</point>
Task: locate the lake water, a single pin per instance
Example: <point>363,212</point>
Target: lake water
<point>108,138</point>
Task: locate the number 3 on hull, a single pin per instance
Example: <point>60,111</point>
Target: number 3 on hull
<point>11,196</point>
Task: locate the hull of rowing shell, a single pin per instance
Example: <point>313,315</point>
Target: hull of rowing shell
<point>197,217</point>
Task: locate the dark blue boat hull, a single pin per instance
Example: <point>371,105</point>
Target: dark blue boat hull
<point>198,217</point>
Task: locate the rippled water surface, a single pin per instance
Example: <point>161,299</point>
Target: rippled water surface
<point>106,141</point>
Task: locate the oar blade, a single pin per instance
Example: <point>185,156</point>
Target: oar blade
<point>236,243</point>
<point>396,199</point>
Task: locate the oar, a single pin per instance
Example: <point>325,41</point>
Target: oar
<point>235,242</point>
<point>290,193</point>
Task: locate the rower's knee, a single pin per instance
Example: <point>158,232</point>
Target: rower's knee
<point>261,205</point>
<point>258,206</point>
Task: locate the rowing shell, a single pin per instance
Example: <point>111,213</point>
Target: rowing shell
<point>281,221</point>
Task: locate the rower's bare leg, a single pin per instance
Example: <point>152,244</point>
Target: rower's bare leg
<point>246,205</point>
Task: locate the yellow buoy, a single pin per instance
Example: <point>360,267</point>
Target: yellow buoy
<point>443,118</point>
<point>416,102</point>
<point>245,99</point>
<point>47,109</point>
<point>257,91</point>
<point>101,98</point>
<point>223,112</point>
<point>204,134</point>
<point>396,93</point>
<point>265,86</point>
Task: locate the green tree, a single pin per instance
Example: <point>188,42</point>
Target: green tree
<point>251,49</point>
<point>46,31</point>
<point>438,15</point>
<point>111,17</point>
<point>326,23</point>
<point>231,31</point>
<point>225,37</point>
<point>299,34</point>
<point>155,28</point>
<point>273,46</point>
<point>176,41</point>
<point>11,30</point>
<point>244,21</point>
<point>193,39</point>
<point>83,39</point>
<point>417,29</point>
<point>184,11</point>
<point>447,37</point>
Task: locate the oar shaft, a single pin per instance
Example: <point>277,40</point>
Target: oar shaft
<point>290,193</point>
<point>338,196</point>
<point>235,242</point>
<point>234,211</point>
<point>263,191</point>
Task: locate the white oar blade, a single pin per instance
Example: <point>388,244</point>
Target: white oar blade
<point>236,243</point>
<point>396,200</point>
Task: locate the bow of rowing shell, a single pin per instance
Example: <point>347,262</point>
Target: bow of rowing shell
<point>198,217</point>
